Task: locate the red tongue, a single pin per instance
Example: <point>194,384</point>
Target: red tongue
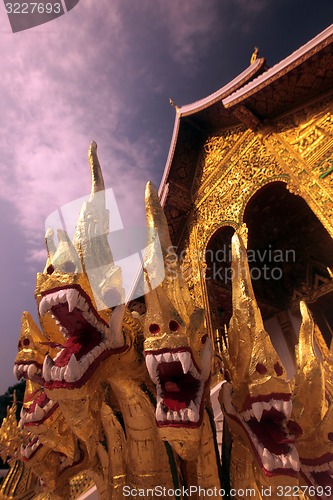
<point>171,387</point>
<point>174,404</point>
<point>78,345</point>
<point>278,434</point>
<point>73,345</point>
<point>271,434</point>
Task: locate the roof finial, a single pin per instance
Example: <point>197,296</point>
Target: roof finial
<point>254,55</point>
<point>172,102</point>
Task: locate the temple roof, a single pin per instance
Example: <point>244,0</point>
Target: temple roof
<point>304,74</point>
<point>254,97</point>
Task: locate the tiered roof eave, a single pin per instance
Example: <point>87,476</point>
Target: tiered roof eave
<point>255,99</point>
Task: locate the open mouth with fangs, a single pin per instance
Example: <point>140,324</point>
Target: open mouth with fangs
<point>33,445</point>
<point>319,472</point>
<point>30,370</point>
<point>265,420</point>
<point>180,387</point>
<point>88,338</point>
<point>39,409</point>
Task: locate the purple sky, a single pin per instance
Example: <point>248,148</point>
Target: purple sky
<point>105,71</point>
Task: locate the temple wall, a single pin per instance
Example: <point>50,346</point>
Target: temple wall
<point>295,148</point>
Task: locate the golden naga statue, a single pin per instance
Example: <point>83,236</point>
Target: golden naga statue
<point>51,450</point>
<point>99,374</point>
<point>313,410</point>
<point>123,399</point>
<point>257,397</point>
<point>178,355</point>
<point>92,363</point>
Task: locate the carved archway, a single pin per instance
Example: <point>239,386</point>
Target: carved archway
<point>218,281</point>
<point>290,255</point>
<point>291,258</point>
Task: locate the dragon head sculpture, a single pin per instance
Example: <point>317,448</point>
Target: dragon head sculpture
<point>32,349</point>
<point>177,349</point>
<point>313,409</point>
<point>40,416</point>
<point>75,294</point>
<point>17,443</point>
<point>257,397</point>
<point>48,446</point>
<point>79,281</point>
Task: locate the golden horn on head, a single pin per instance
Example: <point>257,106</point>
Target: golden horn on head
<point>310,402</point>
<point>173,283</point>
<point>91,236</point>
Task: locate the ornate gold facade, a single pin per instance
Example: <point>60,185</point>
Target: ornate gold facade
<point>296,149</point>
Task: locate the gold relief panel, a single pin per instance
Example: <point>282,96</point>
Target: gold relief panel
<point>251,166</point>
<point>213,160</point>
<point>193,266</point>
<point>303,179</point>
<point>306,147</point>
<point>313,135</point>
<point>309,130</point>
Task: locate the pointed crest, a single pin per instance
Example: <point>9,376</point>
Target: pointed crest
<point>246,317</point>
<point>177,297</point>
<point>66,259</point>
<point>91,238</point>
<point>97,181</point>
<point>90,252</point>
<point>156,217</point>
<point>310,376</point>
<point>31,342</point>
<point>250,354</point>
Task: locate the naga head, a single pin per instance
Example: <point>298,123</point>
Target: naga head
<point>177,349</point>
<point>80,297</point>
<point>32,349</point>
<point>48,446</point>
<point>256,397</point>
<point>313,408</point>
<point>17,443</point>
<point>75,290</point>
<point>41,417</point>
